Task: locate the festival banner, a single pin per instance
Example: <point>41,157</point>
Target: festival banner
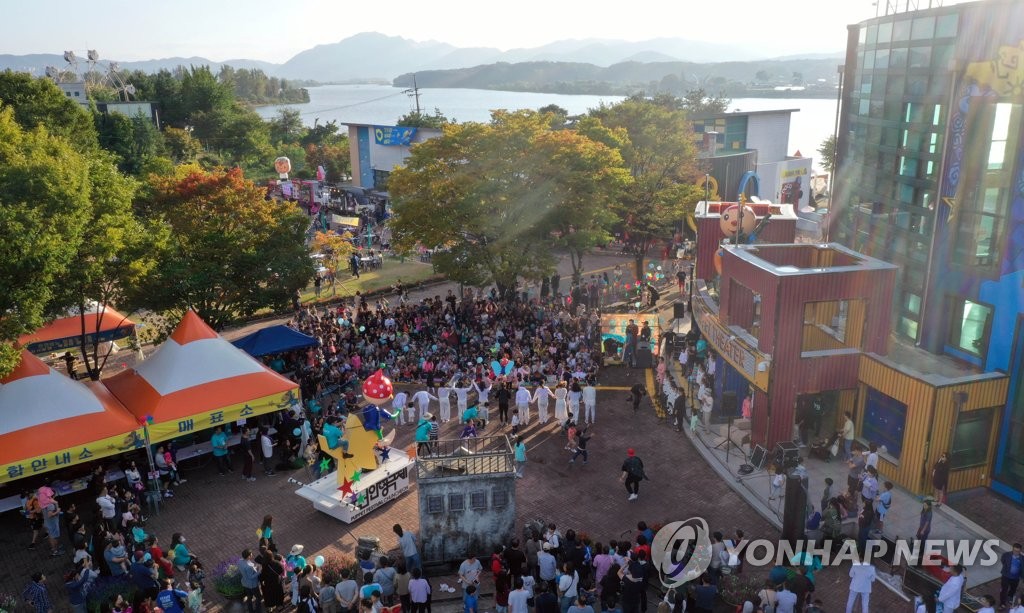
<point>390,136</point>
<point>163,431</point>
<point>79,454</point>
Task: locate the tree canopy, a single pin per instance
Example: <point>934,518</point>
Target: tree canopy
<point>493,197</point>
<point>232,252</point>
<point>38,102</point>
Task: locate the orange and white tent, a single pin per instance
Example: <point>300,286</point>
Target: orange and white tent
<point>49,421</point>
<point>102,324</point>
<point>197,380</point>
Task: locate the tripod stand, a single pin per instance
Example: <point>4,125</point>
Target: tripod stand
<point>729,444</point>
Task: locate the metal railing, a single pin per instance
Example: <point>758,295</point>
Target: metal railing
<point>484,455</point>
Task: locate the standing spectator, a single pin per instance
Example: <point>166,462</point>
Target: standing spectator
<point>36,594</point>
<point>469,571</point>
<point>419,591</point>
<point>219,441</point>
<point>547,566</point>
<point>518,599</point>
<point>51,521</point>
<point>872,457</point>
<point>249,451</point>
<point>940,478</point>
<point>589,402</point>
<point>385,578</point>
<point>786,599</point>
<point>632,474</point>
<point>407,541</point>
<point>568,586</point>
<point>267,447</point>
<point>470,601</point>
<point>402,579</point>
<point>520,456</point>
<point>78,583</point>
<point>848,436</point>
<point>250,576</point>
<point>924,525</point>
<point>1010,574</point>
<point>294,564</point>
<point>171,600</point>
<point>347,591</point>
<point>862,575</point>
<point>108,510</point>
<point>636,394</point>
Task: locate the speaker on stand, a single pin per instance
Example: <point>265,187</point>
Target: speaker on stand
<point>678,310</point>
<point>794,511</point>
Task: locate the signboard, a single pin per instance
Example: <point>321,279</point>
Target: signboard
<point>794,182</point>
<point>165,430</point>
<point>390,136</point>
<point>79,454</point>
<point>375,489</point>
<point>744,358</point>
<point>71,342</point>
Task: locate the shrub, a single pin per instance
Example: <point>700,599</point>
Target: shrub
<point>735,589</point>
<point>227,578</point>
<point>333,564</point>
<point>8,603</point>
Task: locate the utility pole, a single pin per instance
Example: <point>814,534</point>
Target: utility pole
<point>416,93</point>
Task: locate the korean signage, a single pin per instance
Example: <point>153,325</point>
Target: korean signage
<point>380,492</point>
<point>70,342</point>
<point>80,454</point>
<point>162,431</point>
<point>744,358</point>
<point>393,136</point>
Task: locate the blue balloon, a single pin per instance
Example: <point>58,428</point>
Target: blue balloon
<point>297,431</point>
<point>433,347</point>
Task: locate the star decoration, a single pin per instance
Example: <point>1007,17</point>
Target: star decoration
<point>361,499</point>
<point>384,453</point>
<point>325,465</point>
<point>356,476</point>
<point>951,203</point>
<point>346,487</point>
<point>353,499</point>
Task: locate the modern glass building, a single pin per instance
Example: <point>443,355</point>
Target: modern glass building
<point>930,177</point>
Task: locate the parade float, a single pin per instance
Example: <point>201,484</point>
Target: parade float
<point>369,471</point>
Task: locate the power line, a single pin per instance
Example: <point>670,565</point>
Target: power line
<point>348,106</point>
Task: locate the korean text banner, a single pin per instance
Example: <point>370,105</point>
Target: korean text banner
<point>203,421</point>
<point>80,454</point>
<point>393,135</point>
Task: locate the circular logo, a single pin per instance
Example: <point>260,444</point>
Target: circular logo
<point>681,551</point>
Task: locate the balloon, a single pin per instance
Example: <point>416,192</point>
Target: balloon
<point>341,321</point>
<point>651,265</point>
<point>405,348</point>
<point>659,268</point>
<point>362,328</point>
<point>479,360</point>
<point>433,347</point>
<point>636,304</point>
<point>318,561</point>
<point>297,431</point>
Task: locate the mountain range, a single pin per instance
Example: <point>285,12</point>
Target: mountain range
<point>375,56</point>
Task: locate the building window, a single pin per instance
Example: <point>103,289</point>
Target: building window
<point>380,179</point>
<point>923,28</point>
<point>970,438</point>
<point>1010,464</point>
<point>499,499</point>
<point>456,502</point>
<point>946,25</point>
<point>884,421</point>
<point>987,184</point>
<point>435,504</point>
<point>970,327</point>
<point>478,500</point>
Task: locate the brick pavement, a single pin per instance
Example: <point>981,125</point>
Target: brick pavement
<point>219,515</point>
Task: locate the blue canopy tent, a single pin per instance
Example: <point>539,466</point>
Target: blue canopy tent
<point>274,339</point>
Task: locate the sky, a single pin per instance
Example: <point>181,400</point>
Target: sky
<point>274,31</point>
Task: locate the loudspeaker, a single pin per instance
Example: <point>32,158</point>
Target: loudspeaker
<point>786,453</point>
<point>729,403</point>
<point>644,358</point>
<point>794,512</point>
<point>678,310</point>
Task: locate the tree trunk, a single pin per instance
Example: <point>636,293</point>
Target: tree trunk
<point>638,262</point>
<point>576,258</point>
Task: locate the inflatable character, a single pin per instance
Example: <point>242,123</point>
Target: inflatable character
<point>283,166</point>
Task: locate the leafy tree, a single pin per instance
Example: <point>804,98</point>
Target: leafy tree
<point>827,154</point>
<point>336,249</point>
<point>414,119</point>
<point>133,140</point>
<point>659,150</point>
<point>181,146</point>
<point>489,196</point>
<point>39,102</point>
<point>45,191</point>
<point>699,102</point>
<point>334,158</point>
<point>232,252</point>
<point>324,133</point>
<point>559,116</point>
<point>762,76</point>
<point>109,265</point>
<point>286,127</point>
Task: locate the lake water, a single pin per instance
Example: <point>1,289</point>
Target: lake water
<point>383,105</point>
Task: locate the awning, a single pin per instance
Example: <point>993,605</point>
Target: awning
<point>49,421</point>
<point>196,380</point>
<point>65,333</point>
<point>274,339</point>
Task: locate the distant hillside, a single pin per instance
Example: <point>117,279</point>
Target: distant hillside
<point>754,78</point>
<point>36,63</point>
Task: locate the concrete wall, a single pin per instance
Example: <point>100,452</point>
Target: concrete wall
<point>768,133</point>
<point>447,536</point>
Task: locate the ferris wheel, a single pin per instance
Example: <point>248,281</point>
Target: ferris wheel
<point>96,73</point>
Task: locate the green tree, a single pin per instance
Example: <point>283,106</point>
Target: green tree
<point>181,146</point>
<point>827,153</point>
<point>484,192</point>
<point>414,119</point>
<point>38,102</point>
<point>700,102</point>
<point>286,127</point>
<point>107,267</point>
<point>232,252</point>
<point>334,158</point>
<point>134,140</point>
<point>762,76</point>
<point>45,191</point>
<point>658,148</point>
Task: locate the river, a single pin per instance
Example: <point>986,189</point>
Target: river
<point>383,105</point>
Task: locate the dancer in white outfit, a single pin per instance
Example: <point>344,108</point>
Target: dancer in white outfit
<point>574,399</point>
<point>422,399</point>
<point>398,406</point>
<point>444,401</point>
<point>589,401</point>
<point>461,397</point>
<point>541,396</point>
<point>523,397</point>
<point>560,406</point>
<point>482,396</point>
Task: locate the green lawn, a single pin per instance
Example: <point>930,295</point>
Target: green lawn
<point>409,271</point>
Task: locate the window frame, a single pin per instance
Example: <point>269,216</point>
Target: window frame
<point>980,458</point>
<point>955,327</point>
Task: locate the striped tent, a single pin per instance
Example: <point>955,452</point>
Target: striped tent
<point>197,380</point>
<point>49,421</point>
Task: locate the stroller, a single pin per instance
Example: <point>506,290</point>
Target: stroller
<point>822,448</point>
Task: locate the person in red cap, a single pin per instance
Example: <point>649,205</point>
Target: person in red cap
<point>632,474</point>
